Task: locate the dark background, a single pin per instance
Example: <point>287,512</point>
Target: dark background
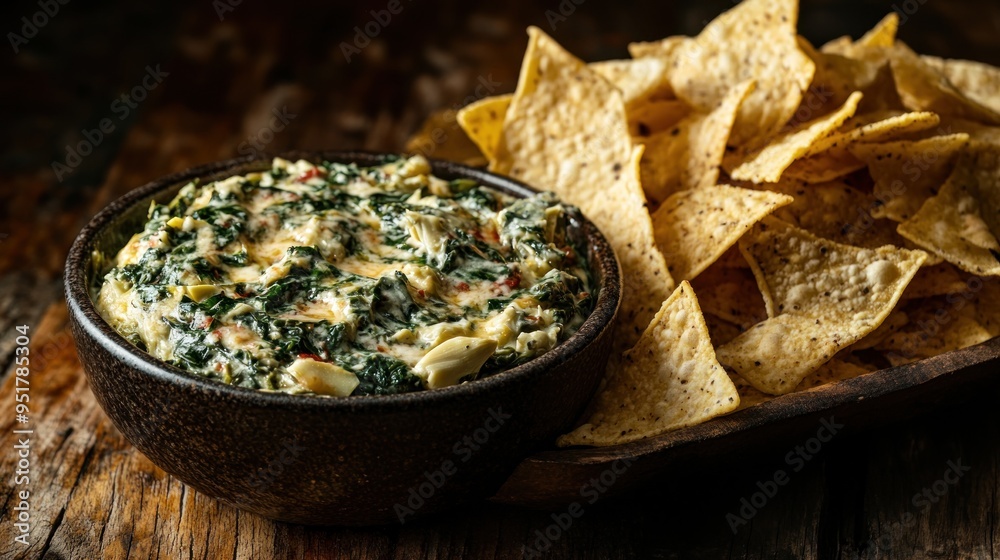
<point>225,79</point>
<point>429,56</point>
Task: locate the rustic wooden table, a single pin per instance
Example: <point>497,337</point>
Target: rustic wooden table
<point>102,98</point>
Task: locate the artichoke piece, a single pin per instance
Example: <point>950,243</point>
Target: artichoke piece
<point>429,233</point>
<point>324,378</point>
<point>454,359</point>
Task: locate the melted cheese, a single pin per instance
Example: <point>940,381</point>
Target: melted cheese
<point>332,278</point>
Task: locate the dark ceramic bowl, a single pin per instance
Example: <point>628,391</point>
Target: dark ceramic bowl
<point>331,461</point>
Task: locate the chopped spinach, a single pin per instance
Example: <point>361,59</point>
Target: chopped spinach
<point>356,266</point>
<point>384,375</point>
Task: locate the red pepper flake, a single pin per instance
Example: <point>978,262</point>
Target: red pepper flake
<point>462,287</point>
<point>381,348</point>
<point>421,292</point>
<point>512,281</point>
<point>311,357</point>
<point>308,175</point>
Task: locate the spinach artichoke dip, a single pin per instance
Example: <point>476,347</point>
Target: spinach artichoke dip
<point>342,280</point>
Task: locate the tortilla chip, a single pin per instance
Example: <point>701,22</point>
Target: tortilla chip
<point>936,326</point>
<point>483,122</point>
<point>731,294</point>
<point>880,36</point>
<point>863,64</point>
<point>721,330</point>
<point>931,260</point>
<point>688,155</point>
<point>938,280</point>
<point>664,48</point>
<point>655,116</point>
<point>907,173</point>
<point>669,380</point>
<point>756,40</point>
<point>833,164</point>
<point>951,225</point>
<point>988,306</point>
<point>881,93</point>
<point>820,296</point>
<point>766,164</point>
<point>836,211</point>
<point>565,131</point>
<point>694,228</point>
<point>978,81</point>
<point>749,396</point>
<point>976,131</point>
<point>836,78</point>
<point>777,354</point>
<point>830,372</point>
<point>875,127</point>
<point>441,137</point>
<point>895,321</point>
<point>838,45</point>
<point>984,182</point>
<point>732,258</point>
<point>638,79</point>
<point>923,88</point>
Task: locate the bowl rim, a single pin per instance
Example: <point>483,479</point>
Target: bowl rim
<point>93,326</point>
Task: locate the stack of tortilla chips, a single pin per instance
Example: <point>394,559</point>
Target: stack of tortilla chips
<point>785,216</point>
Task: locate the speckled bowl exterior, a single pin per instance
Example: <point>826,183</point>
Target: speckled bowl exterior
<point>331,461</point>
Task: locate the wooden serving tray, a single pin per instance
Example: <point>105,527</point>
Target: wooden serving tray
<point>558,477</point>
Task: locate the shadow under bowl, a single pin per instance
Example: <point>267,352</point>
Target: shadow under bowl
<point>332,461</point>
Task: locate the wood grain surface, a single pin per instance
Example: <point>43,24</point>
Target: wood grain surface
<point>869,492</point>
